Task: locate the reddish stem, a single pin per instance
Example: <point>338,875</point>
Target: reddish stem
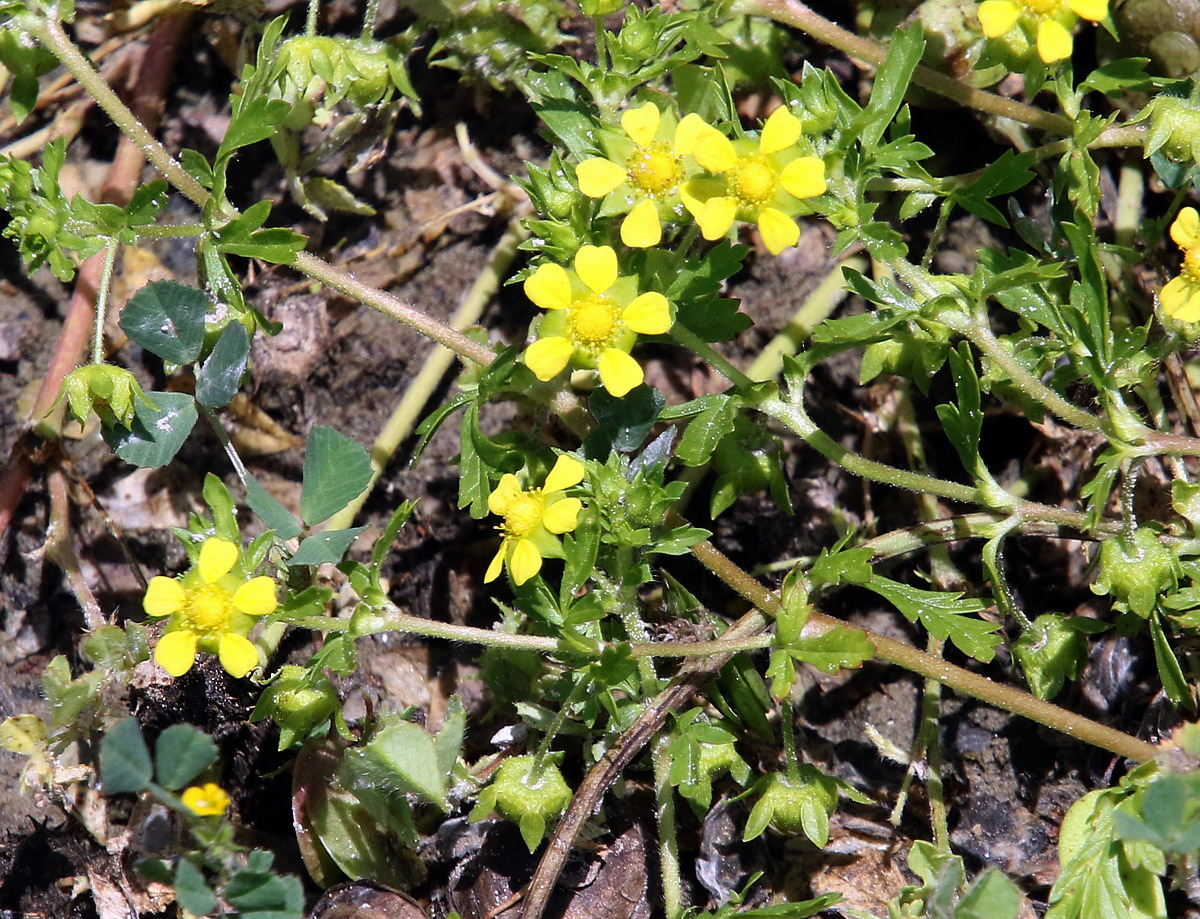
<point>124,176</point>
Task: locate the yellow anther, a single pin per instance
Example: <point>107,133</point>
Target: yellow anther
<point>655,170</point>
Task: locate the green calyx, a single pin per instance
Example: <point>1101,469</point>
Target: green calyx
<point>1136,574</point>
<point>109,391</point>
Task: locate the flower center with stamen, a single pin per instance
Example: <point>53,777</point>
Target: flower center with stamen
<point>523,514</point>
<point>209,609</point>
<point>753,181</point>
<point>655,170</point>
<point>1191,263</point>
<point>595,321</point>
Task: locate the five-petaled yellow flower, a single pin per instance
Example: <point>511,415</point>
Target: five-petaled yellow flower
<point>534,518</point>
<point>594,319</point>
<point>211,610</point>
<point>1180,298</point>
<point>757,182</point>
<point>207,800</point>
<point>645,172</point>
<point>1052,20</point>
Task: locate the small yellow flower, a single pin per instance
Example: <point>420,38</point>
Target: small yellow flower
<point>594,319</point>
<point>534,518</point>
<point>644,175</point>
<point>757,182</point>
<point>1180,298</point>
<point>207,800</point>
<point>1051,19</point>
<point>211,610</point>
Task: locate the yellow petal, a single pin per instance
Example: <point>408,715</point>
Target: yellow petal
<point>642,228</point>
<point>549,287</point>
<point>619,372</point>
<point>997,16</point>
<point>176,652</point>
<point>208,800</point>
<point>526,561</point>
<point>649,314</point>
<point>598,176</point>
<point>804,177</point>
<point>547,357</point>
<point>714,151</point>
<point>596,267</point>
<point>695,192</point>
<point>567,472</point>
<point>686,134</point>
<point>1180,299</point>
<point>504,494</point>
<point>236,654</point>
<point>641,124</point>
<point>1054,42</point>
<point>781,130</point>
<point>716,217</point>
<point>561,516</point>
<point>497,563</point>
<point>1186,229</point>
<point>163,597</point>
<point>779,231</point>
<point>217,557</point>
<point>1092,10</point>
<point>256,597</point>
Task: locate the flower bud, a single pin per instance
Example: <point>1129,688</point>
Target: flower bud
<point>1174,128</point>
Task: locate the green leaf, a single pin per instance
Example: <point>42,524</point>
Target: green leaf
<point>196,165</point>
<point>220,502</point>
<point>840,648</point>
<point>220,375</point>
<point>1170,815</point>
<point>1003,177</point>
<point>271,512</point>
<point>944,614</point>
<point>383,545</point>
<point>704,432</point>
<point>265,895</point>
<point>1174,683</point>
<point>404,754</point>
<point>964,421</point>
<point>679,541</point>
<point>448,742</point>
<point>254,120</point>
<point>277,245</point>
<point>992,896</point>
<point>891,83</point>
<point>1050,652</point>
<point>181,753</point>
<point>622,424</point>
<point>192,891</point>
<point>322,548</point>
<point>336,470</point>
<point>842,566</point>
<point>167,319</point>
<point>125,765</point>
<point>1123,75</point>
<point>162,422</point>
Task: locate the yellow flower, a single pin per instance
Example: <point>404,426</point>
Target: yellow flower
<point>1051,19</point>
<point>645,173</point>
<point>534,518</point>
<point>208,800</point>
<point>211,610</point>
<point>1180,298</point>
<point>756,182</point>
<point>594,319</point>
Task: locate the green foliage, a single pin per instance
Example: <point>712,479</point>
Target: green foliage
<point>528,790</point>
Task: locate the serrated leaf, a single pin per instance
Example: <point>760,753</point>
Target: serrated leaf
<point>891,83</point>
<point>181,753</point>
<point>167,319</point>
<point>125,765</point>
<point>840,648</point>
<point>271,512</point>
<point>328,547</point>
<point>255,120</point>
<point>946,615</point>
<point>336,470</point>
<point>623,423</point>
<point>159,429</point>
<point>220,376</point>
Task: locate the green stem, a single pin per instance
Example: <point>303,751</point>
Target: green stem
<point>792,414</point>
<point>698,345</point>
<point>49,32</point>
<point>791,755</point>
<point>668,840</point>
<point>310,19</point>
<point>960,680</point>
<point>369,18</point>
<point>931,710</point>
<point>543,750</point>
<point>795,13</point>
<point>106,272</point>
<point>165,230</point>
